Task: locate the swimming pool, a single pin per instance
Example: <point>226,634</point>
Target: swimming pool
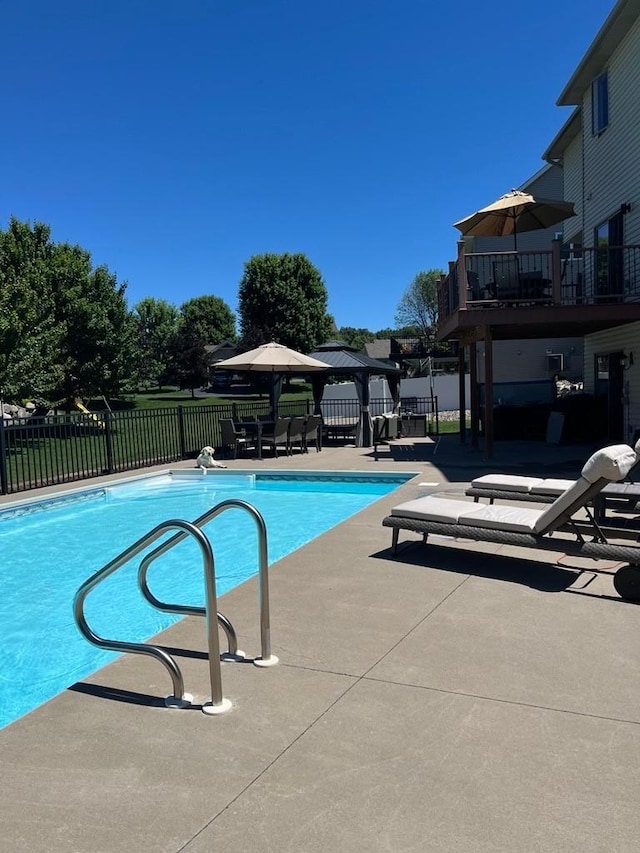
<point>50,547</point>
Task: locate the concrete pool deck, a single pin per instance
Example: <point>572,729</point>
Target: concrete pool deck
<point>452,698</point>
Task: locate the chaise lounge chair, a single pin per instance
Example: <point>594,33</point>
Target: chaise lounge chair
<point>513,487</point>
<point>533,528</point>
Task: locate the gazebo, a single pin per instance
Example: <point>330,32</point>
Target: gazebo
<point>345,360</point>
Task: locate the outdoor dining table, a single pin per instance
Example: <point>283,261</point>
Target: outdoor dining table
<point>255,429</point>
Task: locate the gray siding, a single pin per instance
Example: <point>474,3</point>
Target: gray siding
<point>573,188</point>
<point>621,339</point>
<point>611,162</point>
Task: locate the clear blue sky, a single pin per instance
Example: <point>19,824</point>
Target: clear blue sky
<point>174,140</point>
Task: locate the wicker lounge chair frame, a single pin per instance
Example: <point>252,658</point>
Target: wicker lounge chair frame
<point>598,546</point>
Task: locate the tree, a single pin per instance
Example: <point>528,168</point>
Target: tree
<point>157,325</point>
<point>189,365</point>
<point>355,337</point>
<point>29,333</point>
<point>65,329</point>
<point>398,332</point>
<point>283,298</point>
<point>97,349</point>
<point>419,303</point>
<point>209,319</point>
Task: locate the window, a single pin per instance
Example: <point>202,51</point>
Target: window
<point>608,238</point>
<point>555,362</point>
<point>600,104</point>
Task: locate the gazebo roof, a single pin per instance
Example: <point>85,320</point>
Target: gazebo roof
<point>345,359</point>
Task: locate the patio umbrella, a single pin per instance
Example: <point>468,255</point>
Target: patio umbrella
<point>515,212</point>
<point>275,359</point>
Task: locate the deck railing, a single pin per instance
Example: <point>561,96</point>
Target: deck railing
<point>584,276</point>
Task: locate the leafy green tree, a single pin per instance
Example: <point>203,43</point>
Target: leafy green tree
<point>283,298</point>
<point>98,332</point>
<point>65,329</point>
<point>189,366</point>
<point>208,318</point>
<point>399,332</point>
<point>29,334</point>
<point>419,303</point>
<point>355,337</point>
<point>157,325</point>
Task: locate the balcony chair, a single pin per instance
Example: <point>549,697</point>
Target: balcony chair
<point>506,278</point>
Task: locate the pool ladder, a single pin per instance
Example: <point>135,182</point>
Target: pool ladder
<point>180,699</point>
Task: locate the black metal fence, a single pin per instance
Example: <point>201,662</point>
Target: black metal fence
<point>345,411</point>
<point>55,449</point>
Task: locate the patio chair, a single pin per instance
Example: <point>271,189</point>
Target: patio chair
<point>279,437</point>
<point>506,278</point>
<point>232,439</point>
<point>385,428</point>
<point>296,433</point>
<point>313,432</point>
<point>473,286</point>
<point>532,528</point>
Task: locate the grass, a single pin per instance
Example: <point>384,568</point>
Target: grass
<point>447,427</point>
<point>146,430</point>
<point>173,397</point>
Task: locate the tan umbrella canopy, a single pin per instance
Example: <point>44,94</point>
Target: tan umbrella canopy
<point>275,359</point>
<point>272,358</point>
<point>514,212</point>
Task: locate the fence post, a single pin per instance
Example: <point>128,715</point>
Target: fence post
<point>4,487</point>
<point>108,438</point>
<point>181,438</point>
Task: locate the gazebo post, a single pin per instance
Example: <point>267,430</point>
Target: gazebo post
<point>344,360</point>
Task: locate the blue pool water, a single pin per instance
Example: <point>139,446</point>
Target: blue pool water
<point>50,548</point>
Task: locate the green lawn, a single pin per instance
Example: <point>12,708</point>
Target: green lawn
<point>172,397</point>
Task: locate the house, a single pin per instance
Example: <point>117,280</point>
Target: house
<point>586,281</point>
<point>597,149</point>
<point>216,353</point>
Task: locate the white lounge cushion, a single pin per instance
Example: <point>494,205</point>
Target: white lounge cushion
<point>432,508</point>
<point>551,486</point>
<point>611,463</point>
<point>562,503</point>
<point>506,482</point>
<point>516,519</point>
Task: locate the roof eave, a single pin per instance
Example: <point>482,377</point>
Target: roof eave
<point>567,133</point>
<point>621,18</point>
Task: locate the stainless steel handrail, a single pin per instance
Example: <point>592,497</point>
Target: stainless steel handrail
<point>266,658</point>
<point>218,703</point>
